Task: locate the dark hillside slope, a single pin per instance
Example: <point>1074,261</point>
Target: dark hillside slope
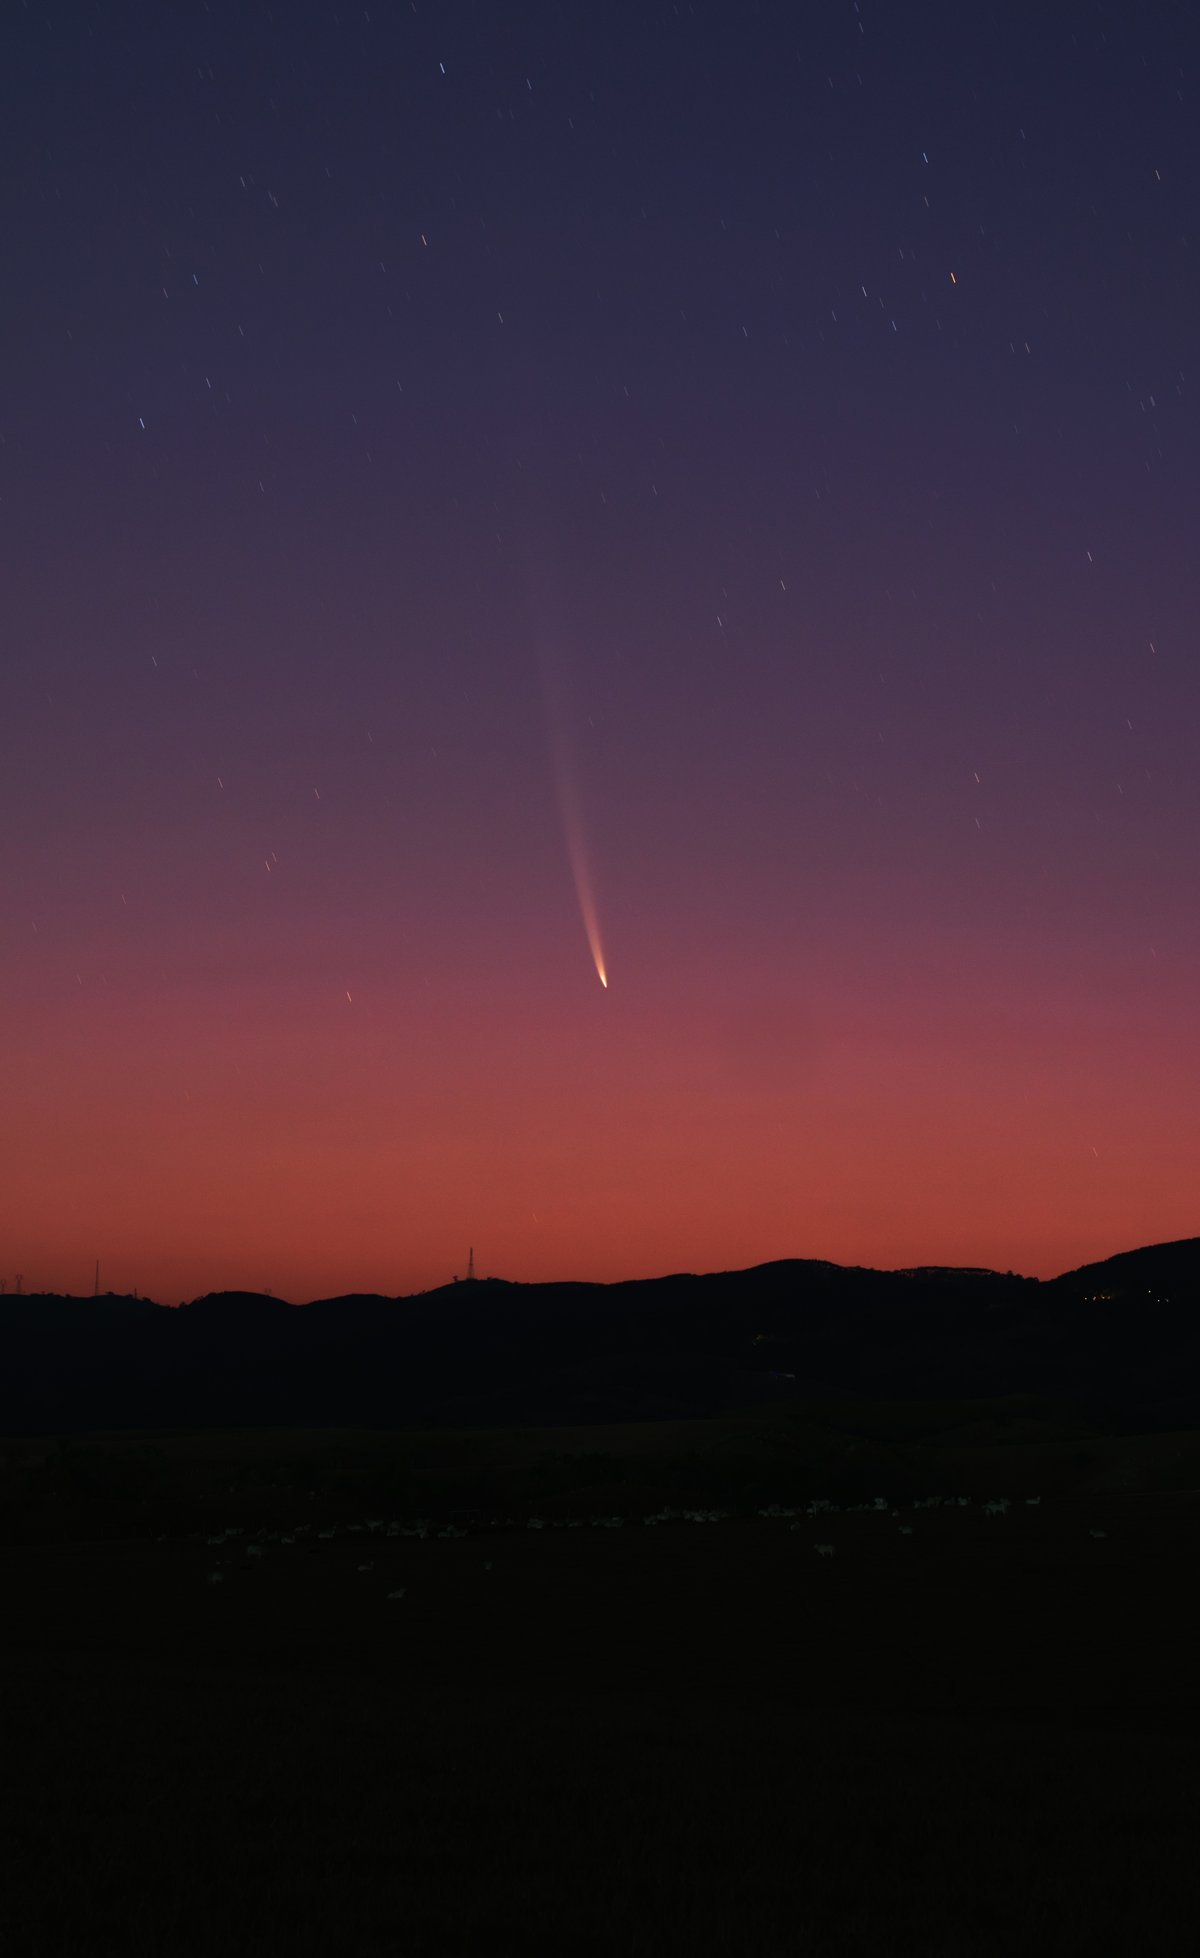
<point>1120,1338</point>
<point>1156,1270</point>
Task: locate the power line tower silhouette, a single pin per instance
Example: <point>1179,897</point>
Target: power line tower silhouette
<point>471,1262</point>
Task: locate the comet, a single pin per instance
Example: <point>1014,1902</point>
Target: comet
<point>566,784</point>
<point>577,856</point>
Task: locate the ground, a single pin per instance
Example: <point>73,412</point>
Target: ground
<point>694,1738</point>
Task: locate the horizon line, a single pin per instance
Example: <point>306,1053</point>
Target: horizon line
<point>471,1279</point>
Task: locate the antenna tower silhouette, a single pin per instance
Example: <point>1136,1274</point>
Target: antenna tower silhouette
<point>471,1262</point>
<point>96,1288</point>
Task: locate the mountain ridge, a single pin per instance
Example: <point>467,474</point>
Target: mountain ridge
<point>1121,1335</point>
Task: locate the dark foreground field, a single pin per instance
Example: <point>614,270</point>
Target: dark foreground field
<point>980,1738</point>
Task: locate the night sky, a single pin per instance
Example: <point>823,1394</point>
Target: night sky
<point>496,494</point>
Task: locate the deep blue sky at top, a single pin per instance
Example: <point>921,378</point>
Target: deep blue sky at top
<point>648,229</point>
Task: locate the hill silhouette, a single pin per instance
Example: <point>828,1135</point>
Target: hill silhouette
<point>1119,1337</point>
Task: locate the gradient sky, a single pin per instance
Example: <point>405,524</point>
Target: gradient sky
<point>752,446</point>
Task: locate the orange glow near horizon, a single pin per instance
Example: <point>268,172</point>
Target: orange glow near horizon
<point>259,1139</point>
